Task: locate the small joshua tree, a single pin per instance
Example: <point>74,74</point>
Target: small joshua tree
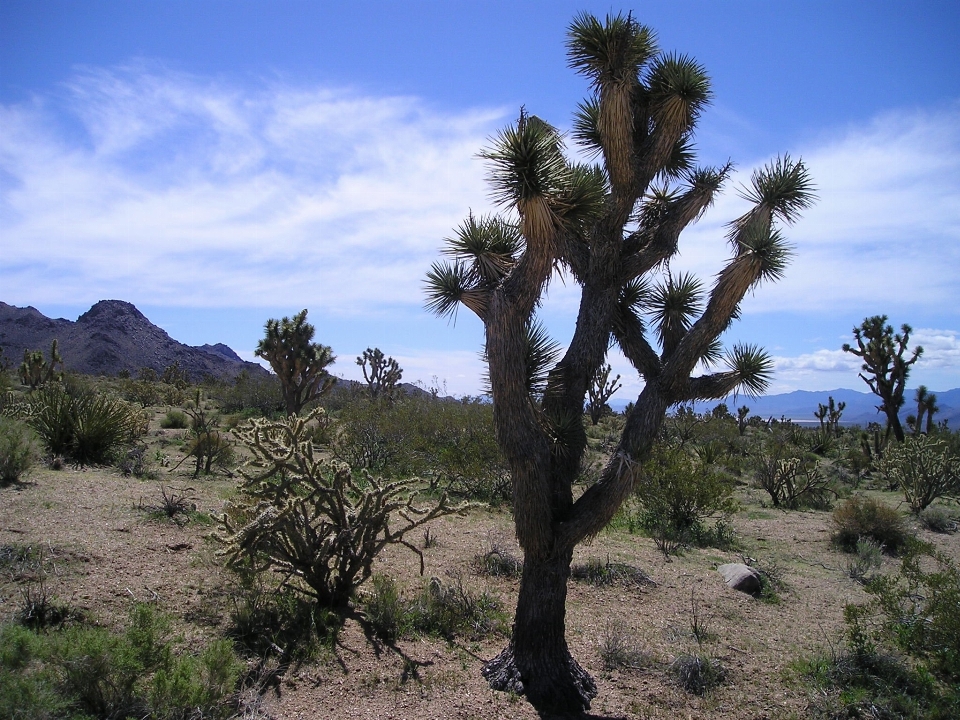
<point>743,413</point>
<point>35,371</point>
<point>299,363</point>
<point>313,522</point>
<point>884,368</point>
<point>384,372</point>
<point>600,391</point>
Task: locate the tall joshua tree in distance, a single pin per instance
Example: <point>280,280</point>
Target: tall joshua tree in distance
<point>610,226</point>
<point>299,363</point>
<point>884,364</point>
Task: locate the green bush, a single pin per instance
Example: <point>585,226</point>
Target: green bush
<point>791,480</point>
<point>903,647</point>
<point>17,452</point>
<point>451,442</point>
<point>861,518</point>
<point>175,420</point>
<point>446,610</point>
<point>678,493</point>
<point>84,671</point>
<point>254,396</point>
<point>938,519</point>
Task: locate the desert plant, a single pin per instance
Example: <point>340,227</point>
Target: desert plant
<point>299,363</point>
<point>382,374</point>
<point>320,525</point>
<point>791,481</point>
<point>619,649</point>
<point>36,371</point>
<point>698,674</point>
<point>250,394</point>
<point>498,559</point>
<point>600,390</point>
<point>613,226</point>
<point>595,571</point>
<point>884,364</point>
<point>861,518</point>
<point>923,467</point>
<point>88,428</point>
<point>867,558</point>
<point>207,445</point>
<point>175,420</point>
<point>174,505</point>
<point>679,492</point>
<point>938,519</point>
<point>17,451</point>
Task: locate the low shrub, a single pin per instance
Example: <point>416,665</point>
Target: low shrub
<point>17,451</point>
<point>698,674</point>
<point>597,572</point>
<point>938,519</point>
<point>902,657</point>
<point>619,649</point>
<point>678,492</point>
<point>93,672</point>
<point>447,610</point>
<point>860,518</point>
<point>792,481</point>
<point>175,420</point>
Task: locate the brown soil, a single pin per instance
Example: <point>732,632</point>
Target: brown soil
<point>107,553</point>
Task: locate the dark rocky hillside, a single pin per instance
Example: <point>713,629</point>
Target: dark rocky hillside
<point>110,337</point>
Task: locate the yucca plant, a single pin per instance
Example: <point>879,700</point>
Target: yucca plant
<point>611,228</point>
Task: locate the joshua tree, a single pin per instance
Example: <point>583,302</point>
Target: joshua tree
<point>299,363</point>
<point>742,412</point>
<point>600,390</point>
<point>829,415</point>
<point>609,227</point>
<point>384,375</point>
<point>885,367</point>
<point>926,405</point>
<point>35,371</point>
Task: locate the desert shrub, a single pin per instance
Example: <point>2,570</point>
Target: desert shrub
<point>861,518</point>
<point>867,558</point>
<point>206,445</point>
<point>17,451</point>
<point>321,526</point>
<point>698,674</point>
<point>498,559</point>
<point>902,658</point>
<point>923,468</point>
<point>89,428</point>
<point>678,493</point>
<point>938,519</point>
<point>447,610</point>
<point>451,442</point>
<point>85,671</point>
<point>175,420</point>
<point>791,480</point>
<point>253,396</point>
<point>619,649</point>
<point>595,571</point>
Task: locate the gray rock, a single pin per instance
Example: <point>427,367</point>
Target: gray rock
<point>741,577</point>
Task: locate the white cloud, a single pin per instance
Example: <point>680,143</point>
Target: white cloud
<point>168,189</point>
<point>885,230</point>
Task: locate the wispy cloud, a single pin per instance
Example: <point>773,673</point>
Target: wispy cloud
<point>168,189</point>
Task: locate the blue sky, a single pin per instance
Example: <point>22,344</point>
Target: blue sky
<point>219,163</point>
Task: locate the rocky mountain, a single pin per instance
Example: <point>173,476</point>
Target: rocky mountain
<point>110,337</point>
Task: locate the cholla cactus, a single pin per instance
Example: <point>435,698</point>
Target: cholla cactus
<point>312,521</point>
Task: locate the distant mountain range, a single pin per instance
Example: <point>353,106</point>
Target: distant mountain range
<point>110,337</point>
<point>800,406</point>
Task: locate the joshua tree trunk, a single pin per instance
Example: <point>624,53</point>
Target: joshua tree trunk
<point>537,662</point>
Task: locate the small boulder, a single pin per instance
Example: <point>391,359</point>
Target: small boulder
<point>741,577</point>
